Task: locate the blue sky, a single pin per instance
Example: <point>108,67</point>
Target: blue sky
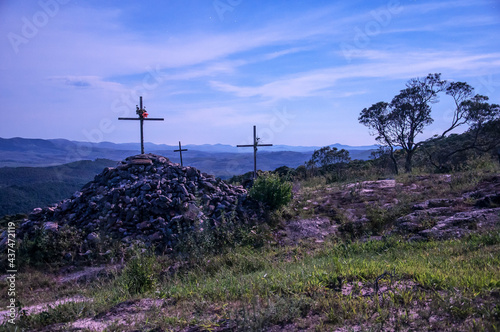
<point>301,71</point>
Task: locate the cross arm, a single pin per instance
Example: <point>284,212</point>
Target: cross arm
<point>251,145</point>
<point>145,119</point>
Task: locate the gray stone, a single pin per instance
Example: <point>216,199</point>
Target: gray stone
<point>177,219</point>
<point>51,226</point>
<point>66,204</point>
<point>155,237</point>
<point>417,238</point>
<point>409,227</point>
<point>93,237</point>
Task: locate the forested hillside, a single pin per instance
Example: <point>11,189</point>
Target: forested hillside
<point>24,188</point>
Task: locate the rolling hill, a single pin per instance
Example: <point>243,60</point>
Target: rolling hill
<point>16,152</point>
<point>37,172</point>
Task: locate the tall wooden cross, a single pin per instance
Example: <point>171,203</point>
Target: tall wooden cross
<point>143,116</point>
<point>180,151</point>
<point>254,145</point>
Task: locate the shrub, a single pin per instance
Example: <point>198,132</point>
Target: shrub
<point>44,248</point>
<point>48,248</point>
<point>271,191</point>
<point>139,275</point>
<point>211,238</point>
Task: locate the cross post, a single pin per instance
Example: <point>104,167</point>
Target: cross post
<point>180,151</point>
<point>254,145</point>
<point>143,116</point>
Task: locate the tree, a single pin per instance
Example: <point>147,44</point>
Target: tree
<point>377,118</point>
<point>329,159</point>
<point>384,158</point>
<point>327,156</point>
<point>411,112</point>
<point>397,124</point>
<point>483,135</point>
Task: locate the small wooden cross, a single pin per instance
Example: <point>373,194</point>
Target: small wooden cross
<point>143,116</point>
<point>254,145</point>
<point>180,151</point>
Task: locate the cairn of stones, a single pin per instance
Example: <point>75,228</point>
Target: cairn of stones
<point>146,198</point>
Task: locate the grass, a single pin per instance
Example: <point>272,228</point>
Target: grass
<point>389,284</point>
<point>252,289</point>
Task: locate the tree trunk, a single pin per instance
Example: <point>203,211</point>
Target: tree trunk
<point>393,158</point>
<point>408,163</point>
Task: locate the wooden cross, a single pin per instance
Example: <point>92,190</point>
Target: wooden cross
<point>254,145</point>
<point>143,116</point>
<point>180,151</point>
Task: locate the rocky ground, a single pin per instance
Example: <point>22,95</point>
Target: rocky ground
<point>360,208</point>
<point>146,198</point>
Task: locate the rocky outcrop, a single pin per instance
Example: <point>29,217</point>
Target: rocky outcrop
<point>412,208</point>
<point>146,198</point>
<point>451,218</point>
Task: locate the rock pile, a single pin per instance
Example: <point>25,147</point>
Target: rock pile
<point>147,198</point>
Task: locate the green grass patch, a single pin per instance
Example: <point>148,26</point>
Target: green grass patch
<point>248,288</point>
<point>471,264</point>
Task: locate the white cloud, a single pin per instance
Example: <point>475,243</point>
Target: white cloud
<point>86,58</point>
<point>94,82</point>
<point>387,65</point>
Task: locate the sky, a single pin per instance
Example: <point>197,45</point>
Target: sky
<point>301,71</point>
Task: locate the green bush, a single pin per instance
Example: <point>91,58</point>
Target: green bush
<point>48,248</point>
<point>139,275</point>
<point>209,238</point>
<point>271,191</point>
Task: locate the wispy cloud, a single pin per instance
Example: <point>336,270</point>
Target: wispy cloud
<point>388,65</point>
<point>220,75</point>
<point>86,82</point>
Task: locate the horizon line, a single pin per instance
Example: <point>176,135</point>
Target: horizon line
<point>174,145</point>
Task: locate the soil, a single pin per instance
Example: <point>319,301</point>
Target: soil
<point>324,209</point>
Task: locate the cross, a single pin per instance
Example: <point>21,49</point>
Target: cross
<point>180,151</point>
<point>143,116</point>
<point>254,145</point>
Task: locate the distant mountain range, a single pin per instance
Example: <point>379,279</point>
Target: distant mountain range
<point>219,159</point>
<point>220,147</point>
<point>37,172</point>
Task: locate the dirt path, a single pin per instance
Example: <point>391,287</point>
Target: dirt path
<point>36,309</point>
